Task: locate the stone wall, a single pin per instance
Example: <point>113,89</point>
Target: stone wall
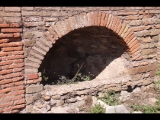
<point>139,27</point>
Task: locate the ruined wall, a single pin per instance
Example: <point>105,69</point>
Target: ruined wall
<point>143,22</point>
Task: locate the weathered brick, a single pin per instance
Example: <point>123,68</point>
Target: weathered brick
<point>12,9</point>
<point>2,25</point>
<point>17,79</point>
<point>4,40</point>
<point>11,30</point>
<point>17,102</point>
<point>6,105</point>
<point>16,35</point>
<point>5,81</point>
<point>33,70</point>
<point>109,20</point>
<point>19,92</point>
<point>133,71</point>
<point>131,17</point>
<point>12,48</point>
<point>5,62</point>
<point>11,44</point>
<point>5,90</point>
<point>154,31</point>
<point>17,69</point>
<point>27,8</point>
<point>18,61</point>
<point>36,55</point>
<point>135,23</point>
<point>42,46</point>
<point>127,13</point>
<point>6,35</point>
<point>34,60</point>
<point>17,65</point>
<point>39,50</point>
<point>15,25</point>
<point>32,64</point>
<point>12,19</point>
<point>18,106</point>
<point>32,76</point>
<point>2,72</point>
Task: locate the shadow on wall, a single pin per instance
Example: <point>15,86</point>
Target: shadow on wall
<point>88,50</point>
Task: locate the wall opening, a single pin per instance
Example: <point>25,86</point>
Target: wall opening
<point>93,51</point>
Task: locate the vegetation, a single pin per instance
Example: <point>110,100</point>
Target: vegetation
<point>65,80</point>
<point>110,99</point>
<point>97,108</point>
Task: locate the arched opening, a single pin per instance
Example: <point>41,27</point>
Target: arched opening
<point>85,54</point>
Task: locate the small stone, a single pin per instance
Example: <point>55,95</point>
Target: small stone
<point>71,100</point>
<point>46,98</point>
<point>121,109</point>
<point>137,90</point>
<point>59,109</point>
<point>43,110</point>
<point>137,112</point>
<point>48,107</point>
<point>56,97</point>
<point>53,102</point>
<point>60,102</point>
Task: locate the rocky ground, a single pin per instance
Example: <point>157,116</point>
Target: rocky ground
<point>139,96</point>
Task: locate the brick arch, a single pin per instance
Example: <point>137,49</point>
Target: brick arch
<point>82,20</point>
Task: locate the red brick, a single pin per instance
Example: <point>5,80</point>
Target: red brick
<point>11,44</point>
<point>114,23</point>
<point>15,25</point>
<point>5,81</point>
<point>15,111</point>
<point>17,65</point>
<point>118,27</point>
<point>17,102</point>
<point>102,19</point>
<point>17,79</point>
<point>19,92</point>
<point>29,81</point>
<point>9,85</point>
<point>109,20</point>
<point>5,90</point>
<point>1,110</point>
<point>2,54</point>
<point>3,105</point>
<point>130,38</point>
<point>32,76</point>
<point>131,45</point>
<point>11,75</point>
<point>11,30</point>
<point>2,72</point>
<point>17,69</point>
<point>106,19</point>
<point>4,40</point>
<point>4,25</point>
<point>99,18</point>
<point>18,106</point>
<point>117,24</point>
<point>18,61</point>
<point>18,83</point>
<point>5,62</point>
<point>13,57</point>
<point>37,80</point>
<point>6,35</point>
<point>17,88</point>
<point>16,35</point>
<point>18,97</point>
<point>12,48</point>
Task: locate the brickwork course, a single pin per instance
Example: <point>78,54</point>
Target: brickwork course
<point>28,33</point>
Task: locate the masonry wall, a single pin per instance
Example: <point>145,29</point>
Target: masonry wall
<point>35,21</point>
